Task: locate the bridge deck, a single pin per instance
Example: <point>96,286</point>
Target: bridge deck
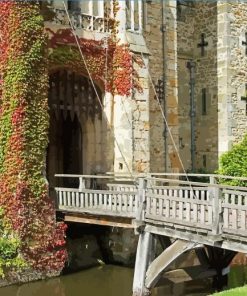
<point>207,213</point>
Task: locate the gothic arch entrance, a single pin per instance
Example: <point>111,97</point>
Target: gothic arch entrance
<point>73,107</point>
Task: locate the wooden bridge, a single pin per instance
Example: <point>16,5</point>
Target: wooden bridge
<point>204,216</point>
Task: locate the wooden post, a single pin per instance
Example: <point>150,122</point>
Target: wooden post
<point>142,260</point>
<point>140,213</point>
<point>81,184</point>
<point>215,195</point>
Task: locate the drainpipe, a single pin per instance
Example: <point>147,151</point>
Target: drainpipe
<point>163,30</point>
<point>191,66</point>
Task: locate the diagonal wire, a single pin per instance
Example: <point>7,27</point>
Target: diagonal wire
<point>163,115</point>
<point>93,84</point>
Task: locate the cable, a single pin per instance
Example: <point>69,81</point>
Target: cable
<point>163,115</point>
<point>93,84</point>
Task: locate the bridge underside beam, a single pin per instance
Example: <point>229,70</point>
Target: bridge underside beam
<point>210,240</point>
<point>99,220</point>
<point>167,257</point>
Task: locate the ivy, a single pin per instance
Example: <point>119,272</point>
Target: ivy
<point>234,163</point>
<point>30,236</point>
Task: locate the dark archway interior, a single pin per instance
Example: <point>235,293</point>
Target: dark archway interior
<point>72,103</point>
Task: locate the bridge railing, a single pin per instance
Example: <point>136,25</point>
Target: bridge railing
<point>234,210</point>
<point>182,207</point>
<point>85,199</point>
<point>207,208</point>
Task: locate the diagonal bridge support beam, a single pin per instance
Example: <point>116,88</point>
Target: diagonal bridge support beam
<point>148,273</point>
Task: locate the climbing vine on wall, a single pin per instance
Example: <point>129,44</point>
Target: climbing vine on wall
<point>24,202</point>
<point>110,64</point>
<point>30,236</point>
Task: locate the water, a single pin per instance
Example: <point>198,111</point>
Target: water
<point>113,281</point>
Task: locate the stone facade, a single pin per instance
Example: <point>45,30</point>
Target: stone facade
<point>219,80</point>
<point>198,145</point>
<point>193,78</point>
<point>232,62</point>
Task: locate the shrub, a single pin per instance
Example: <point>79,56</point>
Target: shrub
<point>234,163</point>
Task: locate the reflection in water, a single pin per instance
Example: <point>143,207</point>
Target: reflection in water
<point>113,281</point>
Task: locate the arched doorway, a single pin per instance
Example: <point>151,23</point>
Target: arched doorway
<point>73,104</point>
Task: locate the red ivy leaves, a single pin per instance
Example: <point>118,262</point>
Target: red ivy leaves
<point>23,99</point>
<point>118,77</point>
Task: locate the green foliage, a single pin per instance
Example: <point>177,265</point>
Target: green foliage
<point>9,247</point>
<point>234,163</point>
<point>237,291</point>
<point>29,235</point>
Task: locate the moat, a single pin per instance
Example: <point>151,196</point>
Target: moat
<point>111,280</point>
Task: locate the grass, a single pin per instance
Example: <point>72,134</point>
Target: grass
<point>242,291</point>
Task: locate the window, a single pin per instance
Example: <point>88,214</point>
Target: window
<point>72,5</point>
<point>204,161</point>
<point>204,102</point>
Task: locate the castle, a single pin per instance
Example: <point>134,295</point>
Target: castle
<point>193,73</point>
<point>118,86</point>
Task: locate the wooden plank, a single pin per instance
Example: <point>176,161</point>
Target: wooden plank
<point>67,194</point>
<point>203,239</point>
<point>225,217</point>
<point>121,203</point>
<point>236,232</point>
<point>131,199</point>
<point>114,206</point>
<point>188,211</point>
<point>99,221</point>
<point>175,222</point>
<point>77,199</point>
<point>95,200</point>
<point>210,215</point>
<point>148,206</point>
<point>233,219</point>
<point>82,199</point>
<point>101,202</point>
<point>99,212</point>
<point>73,199</point>
<point>195,212</point>
<point>94,191</point>
<point>202,214</point>
<point>160,207</point>
<point>91,200</point>
<point>60,198</point>
<point>183,199</point>
<point>167,208</point>
<point>110,197</point>
<point>243,220</point>
<point>174,209</point>
<point>104,201</point>
<point>235,192</point>
<point>180,211</point>
<point>86,196</point>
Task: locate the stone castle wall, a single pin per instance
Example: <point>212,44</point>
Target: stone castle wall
<point>232,73</point>
<point>238,69</point>
<point>201,18</point>
<point>162,151</point>
<point>153,38</point>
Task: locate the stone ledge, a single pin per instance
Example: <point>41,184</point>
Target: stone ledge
<point>26,277</point>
